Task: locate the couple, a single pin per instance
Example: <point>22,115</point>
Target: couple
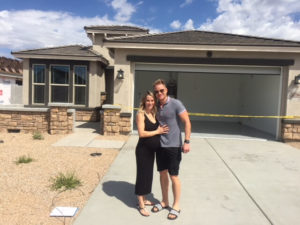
<point>159,132</point>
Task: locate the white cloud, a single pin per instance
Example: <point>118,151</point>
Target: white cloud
<point>175,24</point>
<point>29,29</point>
<point>124,10</point>
<point>189,25</point>
<point>268,18</point>
<point>186,2</point>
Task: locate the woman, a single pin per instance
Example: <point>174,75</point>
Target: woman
<point>149,141</point>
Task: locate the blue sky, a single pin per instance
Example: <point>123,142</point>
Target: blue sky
<point>42,23</point>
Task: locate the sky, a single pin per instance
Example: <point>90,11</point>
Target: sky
<point>35,24</point>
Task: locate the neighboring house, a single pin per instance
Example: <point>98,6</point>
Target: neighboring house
<point>210,72</point>
<point>10,81</point>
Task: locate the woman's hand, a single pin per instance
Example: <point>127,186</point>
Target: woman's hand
<point>163,129</point>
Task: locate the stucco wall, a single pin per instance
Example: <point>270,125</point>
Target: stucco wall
<point>98,46</point>
<point>96,84</point>
<point>293,101</point>
<point>123,88</point>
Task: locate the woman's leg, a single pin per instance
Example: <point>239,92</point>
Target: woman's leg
<point>141,206</point>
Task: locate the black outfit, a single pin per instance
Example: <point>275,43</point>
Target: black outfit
<point>168,158</point>
<point>145,154</point>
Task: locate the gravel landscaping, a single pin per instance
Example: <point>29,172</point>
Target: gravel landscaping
<point>26,196</point>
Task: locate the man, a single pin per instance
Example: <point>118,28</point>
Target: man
<point>170,112</point>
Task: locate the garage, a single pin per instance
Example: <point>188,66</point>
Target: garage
<point>219,89</point>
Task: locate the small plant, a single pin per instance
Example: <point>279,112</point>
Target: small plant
<point>37,136</point>
<point>24,159</point>
<point>64,182</point>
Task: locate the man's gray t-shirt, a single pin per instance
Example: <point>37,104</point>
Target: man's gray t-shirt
<point>169,114</point>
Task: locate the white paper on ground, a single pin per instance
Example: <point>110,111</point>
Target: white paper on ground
<point>64,211</point>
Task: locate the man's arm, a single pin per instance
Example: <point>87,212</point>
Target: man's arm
<point>184,116</point>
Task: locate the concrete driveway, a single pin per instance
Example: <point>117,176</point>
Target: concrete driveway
<point>224,182</point>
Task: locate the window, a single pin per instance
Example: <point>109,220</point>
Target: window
<point>59,83</point>
<point>38,84</point>
<point>80,82</point>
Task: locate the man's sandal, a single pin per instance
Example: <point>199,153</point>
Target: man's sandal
<point>148,203</point>
<point>174,213</point>
<point>158,207</point>
<point>142,211</point>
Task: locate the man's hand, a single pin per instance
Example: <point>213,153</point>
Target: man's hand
<point>186,148</point>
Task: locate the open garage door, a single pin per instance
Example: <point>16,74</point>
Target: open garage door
<point>231,90</point>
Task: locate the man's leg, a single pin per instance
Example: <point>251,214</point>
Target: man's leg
<point>164,183</point>
<point>176,187</point>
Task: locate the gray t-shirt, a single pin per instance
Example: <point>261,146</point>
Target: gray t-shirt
<point>169,114</point>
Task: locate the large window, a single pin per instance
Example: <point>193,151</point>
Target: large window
<point>38,83</point>
<point>80,82</point>
<point>59,83</point>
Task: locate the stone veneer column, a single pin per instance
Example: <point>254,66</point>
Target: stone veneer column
<point>290,130</point>
<point>61,119</point>
<point>110,117</point>
<point>125,124</point>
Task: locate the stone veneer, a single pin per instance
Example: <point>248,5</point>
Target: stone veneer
<point>87,115</point>
<point>61,119</point>
<point>113,122</point>
<point>56,120</point>
<point>291,130</point>
<point>24,120</point>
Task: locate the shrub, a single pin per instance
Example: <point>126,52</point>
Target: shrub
<point>37,136</point>
<point>64,182</point>
<point>24,159</point>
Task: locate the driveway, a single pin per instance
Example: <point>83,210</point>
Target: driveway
<point>224,181</point>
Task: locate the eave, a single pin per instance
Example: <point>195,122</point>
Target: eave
<point>236,48</point>
<point>61,57</point>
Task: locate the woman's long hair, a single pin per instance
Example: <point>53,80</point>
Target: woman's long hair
<point>143,103</point>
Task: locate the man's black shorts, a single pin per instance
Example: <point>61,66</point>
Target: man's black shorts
<point>168,159</point>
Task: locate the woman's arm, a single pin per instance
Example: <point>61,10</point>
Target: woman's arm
<point>140,122</point>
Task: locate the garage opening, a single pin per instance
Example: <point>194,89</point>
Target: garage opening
<point>230,90</point>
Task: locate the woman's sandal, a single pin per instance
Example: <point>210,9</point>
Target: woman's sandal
<point>158,207</point>
<point>174,213</point>
<point>142,211</point>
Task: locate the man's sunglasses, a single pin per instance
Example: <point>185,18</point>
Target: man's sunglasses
<point>161,91</point>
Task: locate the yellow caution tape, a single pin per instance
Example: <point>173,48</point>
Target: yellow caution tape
<point>225,115</point>
<point>242,116</point>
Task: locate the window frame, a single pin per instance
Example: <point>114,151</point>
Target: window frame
<point>38,84</point>
<point>80,85</point>
<point>61,85</point>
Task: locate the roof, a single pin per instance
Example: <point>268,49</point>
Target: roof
<point>10,67</point>
<point>196,37</point>
<point>117,28</point>
<point>71,50</point>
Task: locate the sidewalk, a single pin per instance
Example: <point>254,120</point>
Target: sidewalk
<point>234,182</point>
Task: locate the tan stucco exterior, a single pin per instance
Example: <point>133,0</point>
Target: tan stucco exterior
<point>96,84</point>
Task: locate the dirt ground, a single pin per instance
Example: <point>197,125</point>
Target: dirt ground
<point>25,195</point>
<point>295,144</point>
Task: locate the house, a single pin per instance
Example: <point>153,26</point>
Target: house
<point>213,73</point>
<point>10,81</point>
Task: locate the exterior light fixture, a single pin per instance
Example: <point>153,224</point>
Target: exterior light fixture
<point>120,74</point>
<point>297,79</point>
